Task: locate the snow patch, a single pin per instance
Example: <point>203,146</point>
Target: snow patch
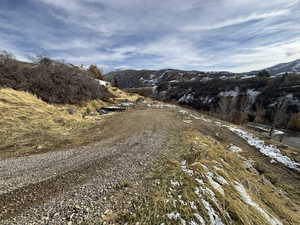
<point>103,83</point>
<point>268,150</point>
<point>234,148</point>
<point>199,218</point>
<point>214,218</point>
<point>248,77</point>
<point>186,98</point>
<point>230,93</point>
<point>161,106</point>
<point>253,94</point>
<point>173,216</point>
<point>185,169</point>
<point>215,185</point>
<point>247,199</point>
<point>175,183</point>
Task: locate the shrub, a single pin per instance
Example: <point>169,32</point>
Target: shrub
<point>95,72</point>
<point>52,81</point>
<point>295,122</point>
<point>263,74</point>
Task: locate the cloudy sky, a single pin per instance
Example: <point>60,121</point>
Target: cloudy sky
<point>233,35</point>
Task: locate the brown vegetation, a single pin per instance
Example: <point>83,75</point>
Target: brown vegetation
<point>52,81</point>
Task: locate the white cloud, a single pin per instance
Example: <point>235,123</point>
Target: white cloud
<point>237,20</point>
<point>157,34</point>
<point>265,56</point>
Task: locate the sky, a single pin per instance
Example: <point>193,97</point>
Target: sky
<point>207,35</point>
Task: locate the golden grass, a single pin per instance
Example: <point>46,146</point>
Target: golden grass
<point>122,95</point>
<point>197,149</point>
<point>29,124</point>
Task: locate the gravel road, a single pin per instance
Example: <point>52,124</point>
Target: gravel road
<point>71,186</point>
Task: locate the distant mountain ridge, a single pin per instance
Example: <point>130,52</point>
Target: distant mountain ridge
<point>290,67</point>
<point>235,97</point>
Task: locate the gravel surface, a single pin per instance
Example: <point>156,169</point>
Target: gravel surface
<point>72,186</point>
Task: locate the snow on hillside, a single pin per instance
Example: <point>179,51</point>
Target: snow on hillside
<point>268,150</point>
<point>293,66</point>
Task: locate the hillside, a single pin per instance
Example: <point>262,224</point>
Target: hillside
<point>290,67</point>
<point>52,81</point>
<point>233,97</point>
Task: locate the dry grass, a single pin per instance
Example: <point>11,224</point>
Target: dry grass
<point>122,96</point>
<point>162,197</point>
<point>29,124</point>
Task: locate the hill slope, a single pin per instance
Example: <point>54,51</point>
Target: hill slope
<point>290,67</point>
<point>233,97</point>
<point>52,81</point>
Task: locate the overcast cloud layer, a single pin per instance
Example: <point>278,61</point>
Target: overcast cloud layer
<point>233,35</point>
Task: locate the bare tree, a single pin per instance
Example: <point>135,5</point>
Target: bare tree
<point>280,115</point>
<point>260,113</point>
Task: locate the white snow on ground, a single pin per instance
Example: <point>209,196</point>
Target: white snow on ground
<point>268,150</point>
<point>214,218</point>
<point>185,169</point>
<point>252,94</point>
<point>199,218</point>
<point>234,148</point>
<point>215,185</point>
<point>206,191</point>
<point>103,83</point>
<point>186,98</point>
<point>277,132</point>
<point>230,93</point>
<point>193,205</point>
<point>247,199</point>
<point>162,106</point>
<point>176,216</point>
<point>183,112</point>
<point>199,181</point>
<point>248,77</point>
<point>221,179</point>
<point>175,183</point>
<point>173,215</point>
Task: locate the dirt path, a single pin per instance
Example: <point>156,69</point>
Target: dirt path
<point>70,186</point>
<point>76,186</point>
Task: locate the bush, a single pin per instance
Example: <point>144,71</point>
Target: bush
<point>95,72</point>
<point>263,74</point>
<point>295,122</point>
<point>52,81</point>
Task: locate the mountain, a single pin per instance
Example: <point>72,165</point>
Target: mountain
<point>231,96</point>
<point>150,78</point>
<point>290,67</point>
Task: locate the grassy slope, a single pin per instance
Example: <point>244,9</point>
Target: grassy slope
<point>30,125</point>
<point>165,196</point>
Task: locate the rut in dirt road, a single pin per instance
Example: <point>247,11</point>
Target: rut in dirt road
<point>46,188</point>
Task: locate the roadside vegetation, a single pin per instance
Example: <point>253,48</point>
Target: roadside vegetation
<point>211,185</point>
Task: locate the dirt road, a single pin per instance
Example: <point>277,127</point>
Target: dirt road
<point>70,186</point>
<point>76,186</point>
